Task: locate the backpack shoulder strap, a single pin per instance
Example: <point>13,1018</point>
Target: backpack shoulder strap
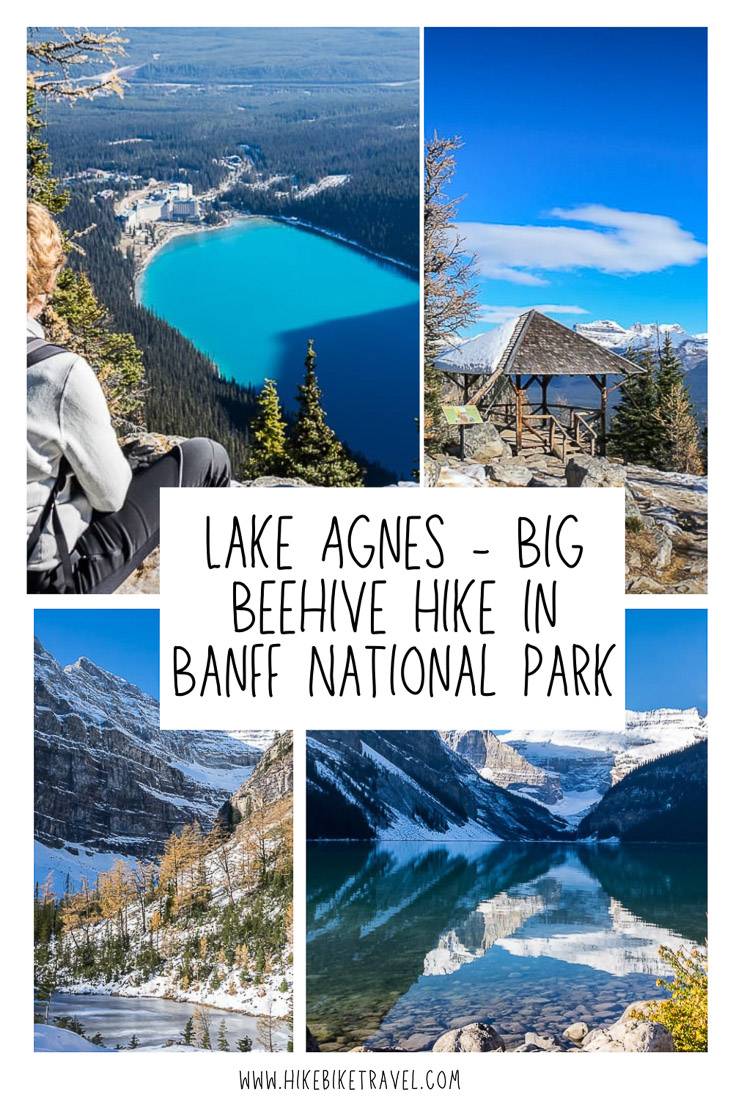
<point>38,349</point>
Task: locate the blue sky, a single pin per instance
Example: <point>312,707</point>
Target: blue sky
<point>590,145</point>
<point>666,659</point>
<point>122,641</point>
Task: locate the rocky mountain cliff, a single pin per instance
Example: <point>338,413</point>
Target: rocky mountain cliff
<point>270,783</point>
<point>503,765</point>
<point>108,781</point>
<point>663,800</point>
<point>409,785</point>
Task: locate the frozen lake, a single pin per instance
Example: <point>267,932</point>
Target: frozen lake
<point>155,1022</point>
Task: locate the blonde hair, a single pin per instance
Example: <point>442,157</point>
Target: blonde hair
<point>45,251</point>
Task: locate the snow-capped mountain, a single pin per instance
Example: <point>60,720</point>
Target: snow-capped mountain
<point>692,348</point>
<point>108,781</point>
<point>409,785</point>
<point>588,762</point>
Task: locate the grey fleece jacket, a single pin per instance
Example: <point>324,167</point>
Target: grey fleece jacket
<point>68,415</point>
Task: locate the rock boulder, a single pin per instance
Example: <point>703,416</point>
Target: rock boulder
<point>630,1035</point>
<point>576,1032</point>
<point>513,474</point>
<point>588,472</point>
<point>479,1038</point>
<point>484,444</point>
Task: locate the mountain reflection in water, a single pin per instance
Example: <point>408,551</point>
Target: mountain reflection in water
<point>406,940</point>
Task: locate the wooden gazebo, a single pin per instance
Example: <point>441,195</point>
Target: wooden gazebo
<point>536,349</point>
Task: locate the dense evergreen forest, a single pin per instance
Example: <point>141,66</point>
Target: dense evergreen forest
<point>664,800</point>
<point>367,132</point>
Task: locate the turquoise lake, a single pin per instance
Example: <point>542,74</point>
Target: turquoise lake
<point>407,940</point>
<point>250,295</point>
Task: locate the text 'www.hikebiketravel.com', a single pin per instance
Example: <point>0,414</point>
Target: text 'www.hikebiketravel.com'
<point>320,1079</point>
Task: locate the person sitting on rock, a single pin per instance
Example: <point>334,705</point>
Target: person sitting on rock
<point>93,510</point>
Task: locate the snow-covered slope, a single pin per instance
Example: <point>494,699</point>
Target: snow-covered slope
<point>50,1039</point>
<point>108,781</point>
<point>588,762</point>
<point>692,348</point>
<point>409,785</point>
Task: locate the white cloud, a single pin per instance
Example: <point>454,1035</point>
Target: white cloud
<point>621,242</point>
<point>496,315</point>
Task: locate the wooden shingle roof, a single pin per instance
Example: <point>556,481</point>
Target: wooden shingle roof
<point>541,346</point>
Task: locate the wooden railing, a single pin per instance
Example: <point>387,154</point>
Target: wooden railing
<point>583,432</point>
<point>557,437</point>
<point>566,425</point>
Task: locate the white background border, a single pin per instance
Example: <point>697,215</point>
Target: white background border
<point>64,1075</point>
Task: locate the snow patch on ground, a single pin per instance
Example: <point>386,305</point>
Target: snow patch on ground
<point>49,1039</point>
<point>325,184</point>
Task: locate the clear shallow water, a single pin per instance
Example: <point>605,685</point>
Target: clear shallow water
<point>407,940</point>
<point>155,1021</point>
<point>250,296</point>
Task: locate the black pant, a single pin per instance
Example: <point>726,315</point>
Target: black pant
<point>116,543</point>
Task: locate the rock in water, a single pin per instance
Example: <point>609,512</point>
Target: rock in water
<point>636,1036</point>
<point>549,1043</point>
<point>479,1038</point>
<point>576,1032</point>
<point>311,1043</point>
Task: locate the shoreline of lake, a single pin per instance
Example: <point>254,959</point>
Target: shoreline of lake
<point>174,230</point>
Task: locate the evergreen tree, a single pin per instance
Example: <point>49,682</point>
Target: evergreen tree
<point>222,1042</point>
<point>268,435</point>
<point>636,433</point>
<point>316,454</point>
<point>134,1042</point>
<point>681,430</point>
<point>40,183</point>
<point>675,414</point>
<point>187,1033</point>
<point>244,1045</point>
<point>79,322</point>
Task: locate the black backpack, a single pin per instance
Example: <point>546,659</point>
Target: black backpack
<point>38,350</point>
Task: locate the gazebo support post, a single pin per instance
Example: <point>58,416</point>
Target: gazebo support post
<point>602,384</point>
<point>462,428</point>
<point>518,411</point>
<point>544,383</point>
